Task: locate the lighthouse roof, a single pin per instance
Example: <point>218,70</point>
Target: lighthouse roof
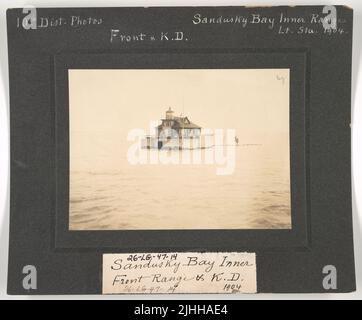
<point>184,122</point>
<point>181,122</point>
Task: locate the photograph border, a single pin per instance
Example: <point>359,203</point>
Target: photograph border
<point>195,239</point>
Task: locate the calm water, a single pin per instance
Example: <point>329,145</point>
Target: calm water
<point>107,193</point>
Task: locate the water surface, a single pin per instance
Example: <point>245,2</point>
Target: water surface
<point>108,193</point>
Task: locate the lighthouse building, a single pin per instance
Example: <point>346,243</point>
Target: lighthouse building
<point>174,133</point>
<point>177,127</point>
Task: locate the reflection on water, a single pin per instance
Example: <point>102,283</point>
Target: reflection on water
<point>112,194</point>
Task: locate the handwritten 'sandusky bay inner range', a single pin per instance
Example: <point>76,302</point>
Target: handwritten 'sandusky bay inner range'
<point>179,272</point>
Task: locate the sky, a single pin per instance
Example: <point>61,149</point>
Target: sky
<point>254,102</point>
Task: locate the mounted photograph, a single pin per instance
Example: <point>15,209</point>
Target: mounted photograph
<point>207,151</point>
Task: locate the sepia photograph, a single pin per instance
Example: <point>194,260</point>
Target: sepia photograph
<point>156,149</point>
<point>180,150</point>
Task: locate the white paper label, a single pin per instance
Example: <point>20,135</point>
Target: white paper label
<point>179,272</point>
